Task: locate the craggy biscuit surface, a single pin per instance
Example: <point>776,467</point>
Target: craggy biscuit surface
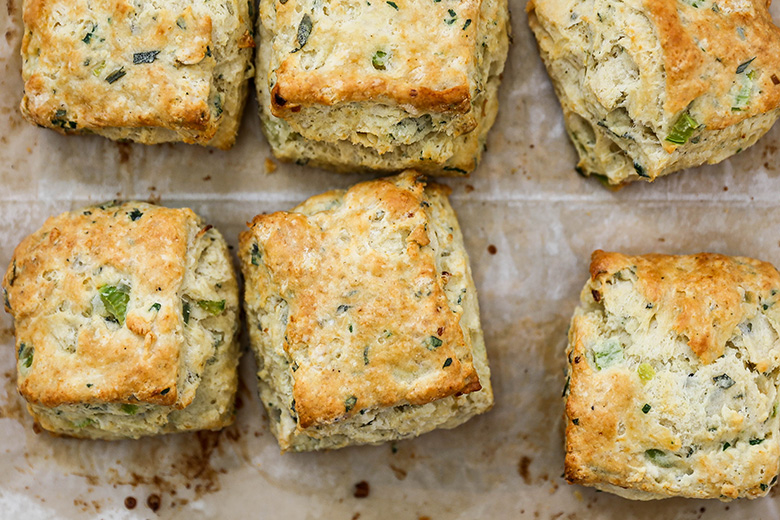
<point>138,70</point>
<point>649,87</point>
<point>381,85</point>
<point>356,303</point>
<point>122,305</point>
<point>673,377</point>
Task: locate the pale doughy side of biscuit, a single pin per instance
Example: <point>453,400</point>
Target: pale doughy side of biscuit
<point>673,377</point>
<point>372,425</point>
<point>629,74</point>
<point>385,136</point>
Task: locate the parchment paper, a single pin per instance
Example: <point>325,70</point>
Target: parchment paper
<point>525,200</point>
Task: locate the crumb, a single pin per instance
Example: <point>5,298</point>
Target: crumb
<point>362,489</point>
<point>270,166</point>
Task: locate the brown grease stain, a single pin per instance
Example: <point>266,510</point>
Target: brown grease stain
<point>522,469</point>
<point>125,150</point>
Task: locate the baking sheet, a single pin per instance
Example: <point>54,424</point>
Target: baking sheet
<point>542,221</point>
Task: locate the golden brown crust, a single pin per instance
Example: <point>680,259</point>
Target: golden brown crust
<point>705,291</point>
<point>703,47</point>
<point>57,271</point>
<point>430,56</point>
<point>369,322</point>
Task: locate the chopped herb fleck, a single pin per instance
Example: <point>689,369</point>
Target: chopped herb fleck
<point>466,25</point>
<point>341,309</point>
<point>576,421</point>
<point>640,170</point>
<point>393,5</point>
<point>452,169</point>
<point>115,299</point>
<point>181,23</point>
<point>90,385</point>
<point>88,37</point>
<point>84,423</point>
<point>433,343</point>
<point>379,60</point>
<point>683,129</point>
<point>452,18</point>
<point>218,109</point>
<point>447,362</point>
<point>130,409</point>
<point>365,354</point>
<point>213,307</point>
<point>659,458</point>
<point>185,311</point>
<point>607,353</point>
<point>304,30</point>
<point>350,327</point>
<point>165,391</point>
<point>156,307</point>
<point>646,372</point>
<point>755,442</point>
<point>255,254</point>
<point>135,214</point>
<point>116,75</point>
<point>646,408</point>
<point>763,486</point>
<point>743,66</point>
<point>349,404</point>
<point>723,381</point>
<point>26,355</point>
<point>726,445</point>
<point>145,57</point>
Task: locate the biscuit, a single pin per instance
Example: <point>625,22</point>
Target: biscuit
<point>380,85</point>
<point>363,316</point>
<point>125,318</point>
<point>673,377</point>
<point>138,71</point>
<point>650,87</point>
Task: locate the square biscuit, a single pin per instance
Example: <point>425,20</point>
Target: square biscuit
<point>363,316</point>
<point>673,377</point>
<point>650,87</point>
<point>125,319</point>
<point>138,70</point>
<point>382,85</point>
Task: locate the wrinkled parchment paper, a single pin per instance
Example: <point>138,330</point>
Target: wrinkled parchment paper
<point>530,223</point>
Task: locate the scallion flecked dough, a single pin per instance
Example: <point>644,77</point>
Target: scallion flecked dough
<point>673,377</point>
<point>143,71</point>
<point>650,87</point>
<point>381,85</point>
<point>125,319</point>
<point>363,316</point>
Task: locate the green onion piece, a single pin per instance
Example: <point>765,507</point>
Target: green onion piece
<point>393,5</point>
<point>743,66</point>
<point>304,30</point>
<point>447,362</point>
<point>130,409</point>
<point>646,408</point>
<point>433,343</point>
<point>255,254</point>
<point>646,372</point>
<point>213,307</point>
<point>379,60</point>
<point>115,299</point>
<point>156,307</point>
<point>723,381</point>
<point>659,458</point>
<point>683,129</point>
<point>185,312</point>
<point>26,355</point>
<point>145,57</point>
<point>135,214</point>
<point>116,75</point>
<point>607,353</point>
<point>755,442</point>
<point>349,404</point>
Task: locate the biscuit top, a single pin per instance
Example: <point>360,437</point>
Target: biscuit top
<point>702,297</point>
<point>119,63</point>
<point>728,49</point>
<point>369,322</point>
<point>416,54</point>
<point>94,298</point>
